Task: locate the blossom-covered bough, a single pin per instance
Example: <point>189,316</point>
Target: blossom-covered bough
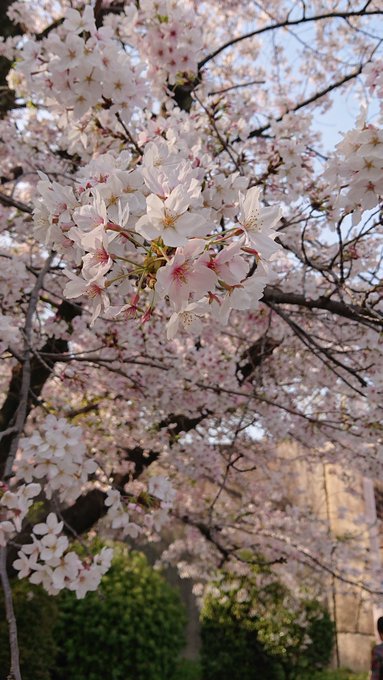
<point>189,277</point>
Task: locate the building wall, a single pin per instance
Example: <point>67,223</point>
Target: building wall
<point>353,609</point>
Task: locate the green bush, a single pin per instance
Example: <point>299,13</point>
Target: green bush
<point>252,631</point>
<point>230,651</point>
<point>188,669</point>
<point>132,628</point>
<point>36,613</point>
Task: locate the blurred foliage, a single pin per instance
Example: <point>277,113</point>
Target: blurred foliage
<point>36,613</point>
<point>339,674</point>
<point>253,628</point>
<point>188,669</point>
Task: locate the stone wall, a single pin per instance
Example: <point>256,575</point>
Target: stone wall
<point>352,609</point>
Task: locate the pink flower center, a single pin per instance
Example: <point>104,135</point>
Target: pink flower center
<point>168,219</point>
<point>179,273</point>
<point>101,256</point>
<point>93,290</point>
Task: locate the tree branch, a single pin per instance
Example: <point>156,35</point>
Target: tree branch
<point>13,203</point>
<point>14,673</point>
<point>25,381</point>
<point>286,24</point>
<point>35,374</point>
<point>363,315</point>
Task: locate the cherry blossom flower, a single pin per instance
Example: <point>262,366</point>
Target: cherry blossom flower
<point>171,220</point>
<point>93,289</point>
<point>51,526</point>
<point>66,571</point>
<point>228,264</point>
<point>7,530</point>
<point>161,487</point>
<point>185,274</point>
<point>17,504</point>
<point>9,331</point>
<point>258,223</point>
<point>189,319</point>
<point>77,22</point>
<point>56,455</point>
<point>52,546</point>
<point>27,559</point>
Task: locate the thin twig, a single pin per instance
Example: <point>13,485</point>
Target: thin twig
<point>13,203</point>
<point>14,672</point>
<point>22,408</point>
<point>286,24</point>
<point>236,87</point>
<point>129,135</point>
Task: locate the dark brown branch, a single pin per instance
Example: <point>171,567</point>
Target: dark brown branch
<point>15,427</point>
<point>39,372</point>
<point>236,87</point>
<point>85,512</point>
<point>254,356</point>
<point>207,533</point>
<point>363,315</point>
<point>82,410</point>
<point>222,141</point>
<point>129,135</point>
<point>322,353</point>
<point>13,203</point>
<point>176,424</point>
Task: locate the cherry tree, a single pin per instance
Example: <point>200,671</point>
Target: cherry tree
<point>191,275</point>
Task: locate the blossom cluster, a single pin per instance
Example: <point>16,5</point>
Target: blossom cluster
<point>156,212</point>
<point>57,455</point>
<point>14,506</point>
<point>172,41</point>
<point>159,232</point>
<point>291,157</point>
<point>86,67</point>
<point>82,65</point>
<point>158,500</point>
<point>358,167</point>
<point>373,73</point>
<point>47,561</point>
